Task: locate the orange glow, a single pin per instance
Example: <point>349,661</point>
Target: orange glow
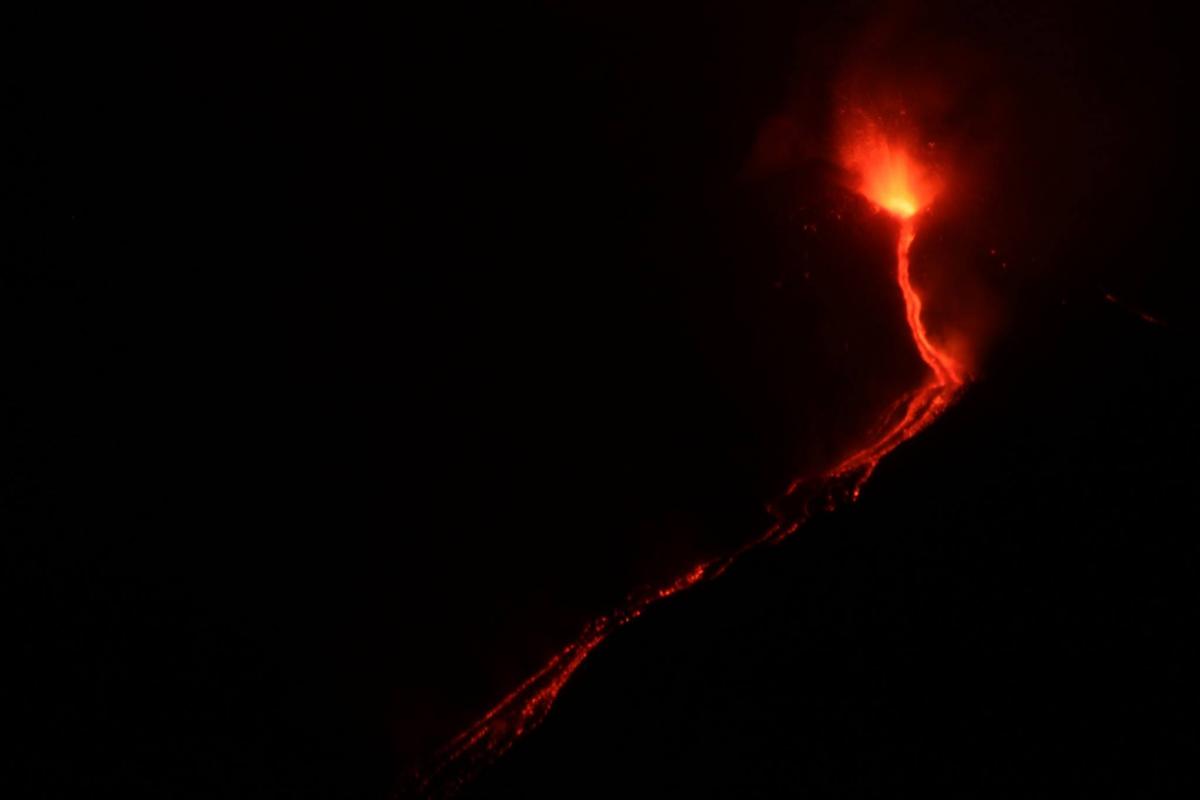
<point>887,174</point>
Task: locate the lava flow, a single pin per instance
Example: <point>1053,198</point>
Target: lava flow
<point>889,178</point>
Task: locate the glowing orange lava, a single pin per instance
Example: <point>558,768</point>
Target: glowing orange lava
<point>890,178</point>
<point>893,181</point>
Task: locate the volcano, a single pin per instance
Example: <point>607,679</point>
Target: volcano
<point>725,399</point>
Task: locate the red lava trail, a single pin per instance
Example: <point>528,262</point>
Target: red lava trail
<point>894,183</point>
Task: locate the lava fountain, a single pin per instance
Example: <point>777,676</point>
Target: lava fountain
<point>890,178</point>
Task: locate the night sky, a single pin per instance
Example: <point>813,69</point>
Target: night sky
<point>354,362</point>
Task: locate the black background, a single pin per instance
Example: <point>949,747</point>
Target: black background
<point>353,361</point>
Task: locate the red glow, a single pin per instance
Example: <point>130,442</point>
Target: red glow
<point>527,705</point>
<point>891,179</point>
